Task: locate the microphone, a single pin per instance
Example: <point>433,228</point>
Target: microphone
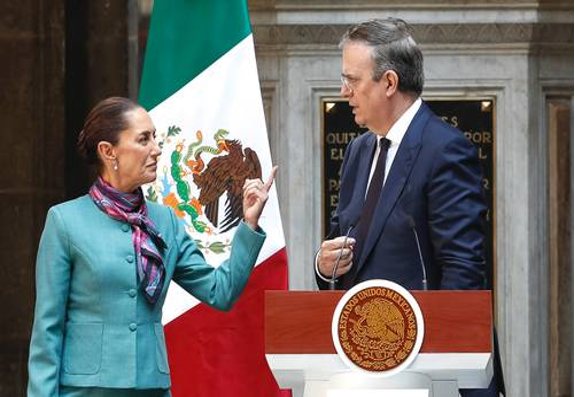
<point>421,262</point>
<point>336,266</point>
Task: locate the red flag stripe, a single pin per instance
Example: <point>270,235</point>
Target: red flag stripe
<point>213,353</point>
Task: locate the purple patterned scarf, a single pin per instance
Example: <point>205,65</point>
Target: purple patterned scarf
<point>131,208</point>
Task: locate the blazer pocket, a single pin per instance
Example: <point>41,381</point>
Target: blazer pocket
<point>161,355</point>
<point>83,348</point>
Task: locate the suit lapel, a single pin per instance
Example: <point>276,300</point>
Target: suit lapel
<point>396,179</point>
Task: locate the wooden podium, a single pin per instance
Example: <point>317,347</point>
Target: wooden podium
<point>456,350</point>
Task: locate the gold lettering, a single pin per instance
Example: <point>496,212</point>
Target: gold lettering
<point>336,153</point>
<point>482,154</point>
<point>330,138</point>
<point>450,120</point>
<point>333,200</point>
<point>340,138</point>
<point>478,136</point>
<point>333,184</point>
<point>485,182</point>
<point>475,136</point>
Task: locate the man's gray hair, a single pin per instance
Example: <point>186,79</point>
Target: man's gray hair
<point>393,48</point>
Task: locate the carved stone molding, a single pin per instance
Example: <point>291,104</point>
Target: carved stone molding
<point>480,33</point>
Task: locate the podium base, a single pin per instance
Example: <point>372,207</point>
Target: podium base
<point>405,384</point>
<point>403,380</point>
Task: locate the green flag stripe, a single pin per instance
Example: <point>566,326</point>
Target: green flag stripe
<point>185,38</point>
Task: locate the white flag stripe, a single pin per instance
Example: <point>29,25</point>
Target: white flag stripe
<point>224,96</point>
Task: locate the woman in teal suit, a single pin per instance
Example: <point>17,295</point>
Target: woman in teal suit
<point>105,261</point>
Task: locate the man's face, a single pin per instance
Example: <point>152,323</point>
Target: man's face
<point>366,96</point>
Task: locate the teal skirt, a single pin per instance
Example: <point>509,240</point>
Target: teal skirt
<point>70,391</point>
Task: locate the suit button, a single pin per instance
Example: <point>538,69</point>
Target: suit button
<point>133,327</point>
<point>125,227</point>
<point>132,293</point>
<point>130,258</point>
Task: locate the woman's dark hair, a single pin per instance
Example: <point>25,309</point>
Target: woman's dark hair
<point>104,123</point>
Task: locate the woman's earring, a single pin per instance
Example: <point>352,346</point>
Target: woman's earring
<point>115,165</point>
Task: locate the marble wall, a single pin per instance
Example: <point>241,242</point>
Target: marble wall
<point>519,53</point>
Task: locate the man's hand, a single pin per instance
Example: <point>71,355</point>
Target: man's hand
<point>329,252</point>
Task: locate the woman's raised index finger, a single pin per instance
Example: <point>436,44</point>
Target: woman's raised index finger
<point>270,180</point>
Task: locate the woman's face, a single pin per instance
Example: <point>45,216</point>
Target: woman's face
<point>137,152</point>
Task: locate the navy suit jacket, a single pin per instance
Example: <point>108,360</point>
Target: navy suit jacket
<point>435,180</point>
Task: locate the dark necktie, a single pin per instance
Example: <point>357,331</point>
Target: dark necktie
<point>371,199</point>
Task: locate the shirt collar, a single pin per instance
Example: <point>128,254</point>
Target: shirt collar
<point>399,128</point>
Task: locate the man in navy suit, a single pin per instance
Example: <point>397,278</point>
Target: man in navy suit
<point>412,179</point>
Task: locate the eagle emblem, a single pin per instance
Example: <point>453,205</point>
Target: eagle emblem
<point>199,178</point>
<point>226,174</point>
<point>377,329</point>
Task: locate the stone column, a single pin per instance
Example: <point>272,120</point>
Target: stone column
<point>101,61</point>
<point>60,58</point>
<point>32,163</point>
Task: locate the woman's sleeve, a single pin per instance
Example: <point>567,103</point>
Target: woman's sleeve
<point>52,287</point>
<point>218,287</point>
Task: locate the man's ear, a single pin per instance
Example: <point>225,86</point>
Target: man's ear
<point>106,151</point>
<point>390,80</point>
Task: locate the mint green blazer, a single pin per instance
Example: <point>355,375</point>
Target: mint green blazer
<point>92,325</point>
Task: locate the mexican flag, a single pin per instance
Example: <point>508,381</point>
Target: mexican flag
<point>201,88</point>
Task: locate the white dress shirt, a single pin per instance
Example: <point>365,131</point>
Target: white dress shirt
<point>395,135</point>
